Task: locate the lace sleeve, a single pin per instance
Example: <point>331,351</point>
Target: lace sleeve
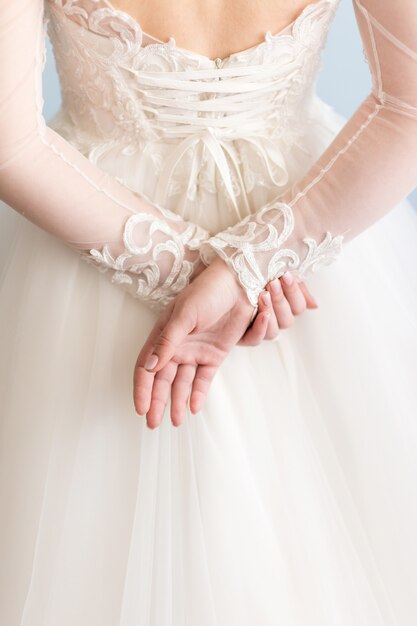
<point>148,250</point>
<point>369,167</point>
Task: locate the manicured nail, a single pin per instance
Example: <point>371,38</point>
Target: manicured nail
<point>276,286</point>
<point>266,298</point>
<point>313,302</point>
<point>288,278</point>
<point>151,362</point>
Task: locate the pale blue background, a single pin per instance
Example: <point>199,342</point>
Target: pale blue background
<point>343,82</point>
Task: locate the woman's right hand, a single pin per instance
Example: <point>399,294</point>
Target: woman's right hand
<point>283,299</point>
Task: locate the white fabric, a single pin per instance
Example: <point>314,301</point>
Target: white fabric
<point>291,497</point>
<point>370,166</point>
<point>150,250</point>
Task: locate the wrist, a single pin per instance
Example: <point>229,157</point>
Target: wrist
<point>199,267</point>
<point>231,280</point>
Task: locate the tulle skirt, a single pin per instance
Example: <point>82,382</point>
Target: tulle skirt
<point>291,499</point>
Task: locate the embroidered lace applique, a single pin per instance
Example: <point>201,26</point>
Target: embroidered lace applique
<point>222,127</point>
<point>272,240</point>
<point>255,250</point>
<point>125,90</point>
<point>157,261</point>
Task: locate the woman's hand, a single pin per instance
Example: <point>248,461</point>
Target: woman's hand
<point>199,328</point>
<point>283,299</point>
<point>188,343</point>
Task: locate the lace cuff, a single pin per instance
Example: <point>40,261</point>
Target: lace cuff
<point>255,249</point>
<point>157,259</point>
<point>150,251</point>
<point>367,169</point>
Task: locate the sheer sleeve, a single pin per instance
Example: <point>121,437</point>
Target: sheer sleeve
<point>370,166</point>
<point>150,251</point>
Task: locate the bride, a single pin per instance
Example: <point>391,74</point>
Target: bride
<point>264,471</point>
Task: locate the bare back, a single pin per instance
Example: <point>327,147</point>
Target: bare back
<point>215,28</point>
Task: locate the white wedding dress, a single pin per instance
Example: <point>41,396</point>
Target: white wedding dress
<point>290,499</point>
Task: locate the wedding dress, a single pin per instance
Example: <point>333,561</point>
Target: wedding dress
<point>291,497</point>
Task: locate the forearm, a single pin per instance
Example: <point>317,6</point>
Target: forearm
<point>369,167</point>
<point>149,250</point>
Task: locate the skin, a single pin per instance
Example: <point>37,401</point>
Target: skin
<point>195,333</point>
<point>198,329</point>
<point>214,28</point>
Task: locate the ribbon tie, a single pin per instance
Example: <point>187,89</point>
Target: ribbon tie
<point>239,104</point>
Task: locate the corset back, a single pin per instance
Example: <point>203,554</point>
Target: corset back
<point>194,127</point>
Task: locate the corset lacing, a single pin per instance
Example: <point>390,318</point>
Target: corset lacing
<point>242,103</point>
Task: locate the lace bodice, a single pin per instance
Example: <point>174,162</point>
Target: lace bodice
<point>369,166</point>
<point>122,87</point>
<point>223,126</point>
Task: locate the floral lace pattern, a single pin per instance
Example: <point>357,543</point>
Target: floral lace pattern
<point>215,123</point>
<point>122,90</point>
<point>254,249</point>
<point>224,125</point>
<point>269,242</point>
<point>138,268</point>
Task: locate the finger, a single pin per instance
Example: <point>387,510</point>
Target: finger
<point>282,309</point>
<point>163,346</point>
<point>160,394</point>
<point>157,328</point>
<point>256,333</point>
<point>202,381</point>
<point>142,379</point>
<point>142,389</point>
<point>293,294</point>
<point>181,390</point>
<point>264,304</point>
<point>310,301</point>
<point>272,330</point>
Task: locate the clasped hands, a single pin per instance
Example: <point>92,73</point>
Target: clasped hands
<point>196,331</point>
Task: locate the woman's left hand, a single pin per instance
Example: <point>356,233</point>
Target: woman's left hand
<point>192,341</point>
<point>188,343</point>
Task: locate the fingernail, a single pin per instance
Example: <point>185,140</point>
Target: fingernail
<point>266,298</point>
<point>151,362</point>
<point>313,302</point>
<point>288,278</point>
<point>267,316</point>
<point>276,286</point>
